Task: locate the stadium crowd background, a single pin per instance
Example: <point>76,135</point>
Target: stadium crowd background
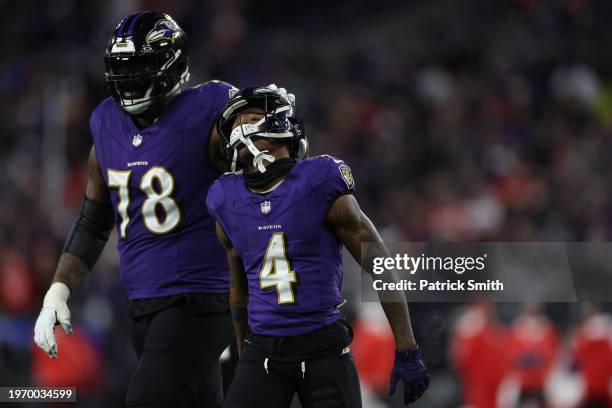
<point>462,120</point>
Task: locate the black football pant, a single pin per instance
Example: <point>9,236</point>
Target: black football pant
<point>178,359</point>
<point>327,382</point>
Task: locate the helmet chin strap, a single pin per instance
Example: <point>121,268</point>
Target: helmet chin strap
<point>243,134</point>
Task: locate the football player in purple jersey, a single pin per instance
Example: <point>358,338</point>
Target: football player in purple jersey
<point>283,223</point>
<point>156,152</point>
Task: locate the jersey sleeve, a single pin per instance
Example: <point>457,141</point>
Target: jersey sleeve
<point>95,127</point>
<point>219,93</point>
<point>339,179</point>
<point>94,123</point>
<point>214,199</point>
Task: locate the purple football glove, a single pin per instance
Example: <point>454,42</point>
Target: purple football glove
<point>409,368</point>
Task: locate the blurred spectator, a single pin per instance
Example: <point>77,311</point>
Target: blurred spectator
<point>592,348</point>
<point>18,288</point>
<point>479,352</point>
<point>80,365</point>
<point>532,349</point>
<point>373,348</point>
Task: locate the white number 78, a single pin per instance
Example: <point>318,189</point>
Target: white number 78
<point>120,180</point>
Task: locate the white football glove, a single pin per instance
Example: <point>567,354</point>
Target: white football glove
<point>283,92</point>
<point>54,311</point>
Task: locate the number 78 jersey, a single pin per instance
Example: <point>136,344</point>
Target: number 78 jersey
<point>292,260</point>
<point>157,180</point>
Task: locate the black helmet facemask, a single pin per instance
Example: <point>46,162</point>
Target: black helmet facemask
<point>242,134</point>
<point>279,122</point>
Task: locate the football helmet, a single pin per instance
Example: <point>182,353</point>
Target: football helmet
<point>146,61</point>
<point>279,121</point>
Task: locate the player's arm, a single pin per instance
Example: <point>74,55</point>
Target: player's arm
<point>89,232</point>
<point>239,294</point>
<point>83,246</point>
<point>353,228</point>
<point>216,155</point>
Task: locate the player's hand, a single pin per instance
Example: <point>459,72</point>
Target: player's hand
<point>290,97</point>
<point>409,368</point>
<point>54,311</point>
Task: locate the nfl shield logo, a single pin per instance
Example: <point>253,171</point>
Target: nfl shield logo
<point>266,207</point>
<point>137,140</point>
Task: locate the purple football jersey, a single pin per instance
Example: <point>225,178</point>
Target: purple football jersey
<point>292,260</point>
<point>158,178</point>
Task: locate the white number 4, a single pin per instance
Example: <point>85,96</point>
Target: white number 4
<point>276,270</point>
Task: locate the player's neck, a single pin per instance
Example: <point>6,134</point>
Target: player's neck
<point>144,121</point>
<point>151,116</point>
<point>276,171</point>
<point>270,187</point>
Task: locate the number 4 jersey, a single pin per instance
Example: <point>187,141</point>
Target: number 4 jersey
<point>292,260</point>
<point>158,178</point>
